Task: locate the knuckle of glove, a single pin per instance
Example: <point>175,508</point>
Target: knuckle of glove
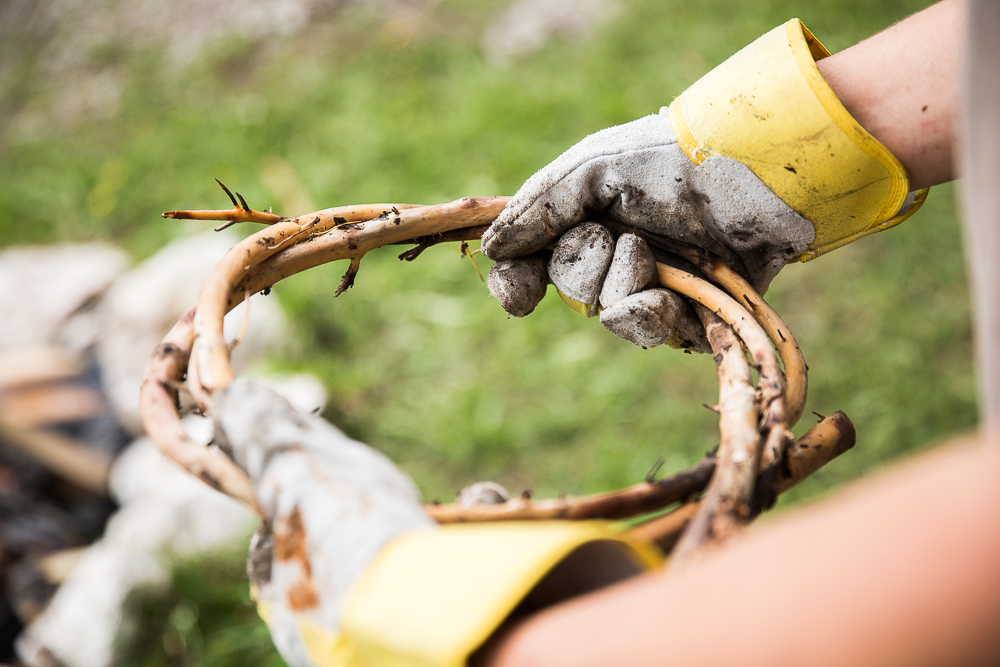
<point>655,317</point>
<point>643,316</point>
<point>632,270</point>
<point>519,284</point>
<point>579,263</point>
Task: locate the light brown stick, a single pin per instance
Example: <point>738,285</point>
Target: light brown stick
<point>66,457</point>
<point>421,226</point>
<point>796,373</point>
<point>158,404</point>
<point>716,270</point>
<point>233,215</point>
<point>638,499</point>
<point>725,506</point>
<point>772,383</point>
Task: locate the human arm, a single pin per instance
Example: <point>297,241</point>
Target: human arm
<point>900,570</point>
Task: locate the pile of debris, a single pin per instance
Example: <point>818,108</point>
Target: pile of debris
<point>88,507</point>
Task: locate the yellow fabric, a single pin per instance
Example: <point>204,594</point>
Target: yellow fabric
<point>579,306</point>
<point>769,107</point>
<point>327,649</point>
<point>432,597</point>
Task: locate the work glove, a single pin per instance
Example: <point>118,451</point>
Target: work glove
<point>757,162</point>
<point>347,569</point>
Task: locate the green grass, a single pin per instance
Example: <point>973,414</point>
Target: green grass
<point>206,617</point>
<point>419,361</point>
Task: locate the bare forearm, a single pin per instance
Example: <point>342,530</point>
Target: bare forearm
<point>903,86</point>
<point>901,571</point>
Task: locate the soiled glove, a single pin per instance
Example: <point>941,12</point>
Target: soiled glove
<point>757,162</point>
<point>347,569</point>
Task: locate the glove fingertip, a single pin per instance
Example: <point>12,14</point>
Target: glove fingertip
<point>654,317</point>
<point>632,270</point>
<point>519,284</point>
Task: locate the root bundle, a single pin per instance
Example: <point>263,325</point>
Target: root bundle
<point>757,457</point>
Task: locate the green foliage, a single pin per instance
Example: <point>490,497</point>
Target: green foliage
<point>419,361</point>
<point>204,618</point>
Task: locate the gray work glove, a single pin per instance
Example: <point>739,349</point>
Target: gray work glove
<point>636,174</point>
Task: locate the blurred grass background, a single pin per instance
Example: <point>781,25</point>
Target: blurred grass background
<point>361,105</point>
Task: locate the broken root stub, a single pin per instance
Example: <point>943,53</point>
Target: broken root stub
<point>755,461</point>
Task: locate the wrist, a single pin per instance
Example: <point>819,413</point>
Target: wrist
<point>909,104</point>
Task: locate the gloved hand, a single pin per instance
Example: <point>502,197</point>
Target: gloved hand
<point>347,569</point>
<point>757,162</point>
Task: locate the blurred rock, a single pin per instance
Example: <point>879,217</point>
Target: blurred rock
<point>165,512</point>
<point>48,284</point>
<point>482,493</point>
<point>142,304</point>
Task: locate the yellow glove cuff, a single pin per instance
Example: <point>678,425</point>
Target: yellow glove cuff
<point>769,107</point>
<point>432,597</point>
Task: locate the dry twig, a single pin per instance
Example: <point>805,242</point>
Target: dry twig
<point>772,380</point>
<point>642,498</point>
<point>725,506</point>
<point>239,213</point>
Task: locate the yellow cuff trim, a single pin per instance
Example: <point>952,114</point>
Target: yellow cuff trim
<point>918,200</point>
<point>432,597</point>
<point>804,47</point>
<point>769,108</point>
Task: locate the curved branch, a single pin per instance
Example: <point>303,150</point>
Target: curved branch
<point>350,241</point>
<point>772,382</point>
<point>725,506</point>
<point>174,357</point>
<point>294,245</point>
<point>158,405</point>
<point>796,371</point>
<point>210,351</point>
